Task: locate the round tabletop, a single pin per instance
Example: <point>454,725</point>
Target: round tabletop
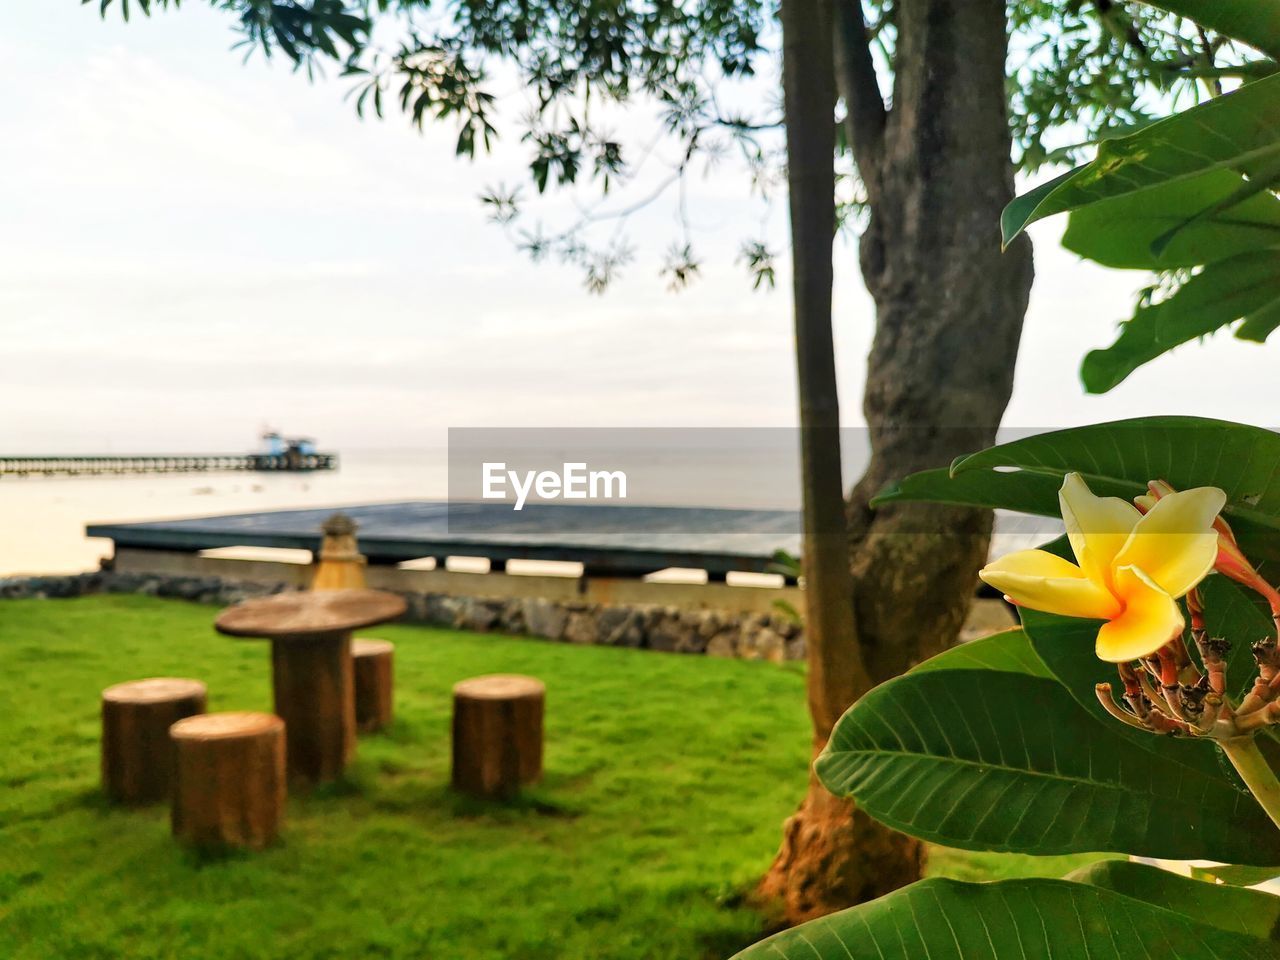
<point>309,613</point>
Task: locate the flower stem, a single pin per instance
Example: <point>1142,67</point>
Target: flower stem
<point>1256,773</point>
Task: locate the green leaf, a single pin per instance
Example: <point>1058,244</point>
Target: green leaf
<point>1249,912</point>
<point>1021,210</point>
<point>995,760</point>
<point>1231,611</point>
<point>1025,919</point>
<point>1118,458</point>
<point>1236,132</point>
<point>1236,876</point>
<point>1224,292</point>
<point>1123,231</point>
<point>1007,651</point>
<point>1260,324</point>
<point>1256,22</point>
<point>1026,492</point>
<point>1066,646</point>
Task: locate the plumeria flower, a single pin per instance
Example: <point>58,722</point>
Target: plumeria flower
<point>1231,560</point>
<point>1130,568</point>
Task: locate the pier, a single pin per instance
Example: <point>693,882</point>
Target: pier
<point>291,461</point>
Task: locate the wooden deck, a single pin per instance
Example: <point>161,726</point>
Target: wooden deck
<point>608,540</point>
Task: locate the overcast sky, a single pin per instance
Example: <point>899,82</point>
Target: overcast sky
<point>191,247</point>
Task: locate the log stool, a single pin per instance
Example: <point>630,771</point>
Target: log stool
<point>137,755</point>
<point>312,672</point>
<point>497,734</point>
<point>229,787</point>
<point>372,660</point>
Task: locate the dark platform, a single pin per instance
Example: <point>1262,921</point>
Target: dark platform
<point>609,540</point>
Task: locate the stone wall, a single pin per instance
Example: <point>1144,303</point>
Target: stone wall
<point>751,636</point>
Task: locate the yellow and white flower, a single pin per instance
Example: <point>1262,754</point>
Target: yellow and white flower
<point>1130,570</point>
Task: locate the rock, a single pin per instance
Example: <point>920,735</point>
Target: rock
<point>675,634</point>
<point>441,610</point>
<point>581,628</point>
<point>479,615</point>
<point>545,619</point>
<point>797,649</point>
<point>621,627</point>
<point>717,633</point>
<point>710,622</point>
<point>763,643</point>
<point>723,644</point>
<point>511,619</point>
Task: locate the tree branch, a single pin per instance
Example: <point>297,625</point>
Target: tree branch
<point>860,89</point>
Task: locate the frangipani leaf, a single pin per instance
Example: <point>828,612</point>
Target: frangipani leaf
<point>1011,920</point>
<point>1007,651</point>
<point>1235,875</point>
<point>1236,132</point>
<point>1225,291</point>
<point>1118,459</point>
<point>1000,760</point>
<point>1227,908</point>
<point>1256,22</point>
<point>1123,232</point>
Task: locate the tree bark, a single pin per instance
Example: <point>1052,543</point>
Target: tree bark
<point>828,848</point>
<point>949,311</point>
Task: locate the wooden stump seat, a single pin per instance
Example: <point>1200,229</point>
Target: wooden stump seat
<point>372,660</point>
<point>312,671</point>
<point>137,755</point>
<point>497,734</point>
<point>229,787</point>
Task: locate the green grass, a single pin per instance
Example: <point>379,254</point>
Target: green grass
<point>667,781</point>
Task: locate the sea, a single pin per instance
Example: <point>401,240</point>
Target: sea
<point>43,519</point>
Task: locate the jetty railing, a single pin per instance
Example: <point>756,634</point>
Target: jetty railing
<point>98,464</point>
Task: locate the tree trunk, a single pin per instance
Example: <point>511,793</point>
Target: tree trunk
<point>827,847</point>
<point>949,311</point>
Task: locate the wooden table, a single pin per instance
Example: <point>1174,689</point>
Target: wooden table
<point>310,636</point>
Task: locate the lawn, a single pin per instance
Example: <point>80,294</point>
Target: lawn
<point>667,779</point>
